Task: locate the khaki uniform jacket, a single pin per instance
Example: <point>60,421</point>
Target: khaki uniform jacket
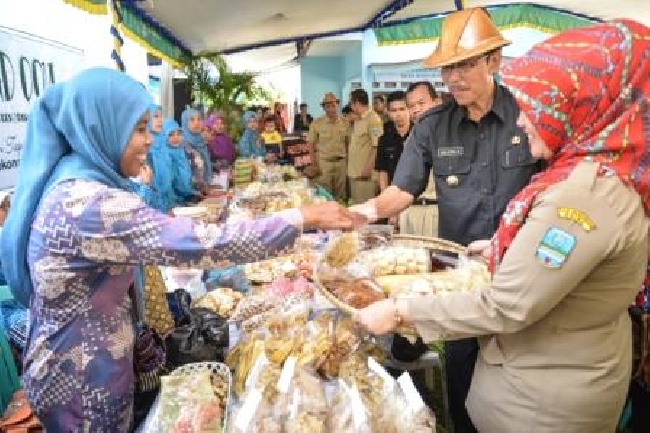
<point>363,141</point>
<point>329,138</point>
<point>555,342</point>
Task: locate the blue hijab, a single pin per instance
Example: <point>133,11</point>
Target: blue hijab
<point>172,171</point>
<point>77,130</point>
<point>197,142</point>
<point>180,167</point>
<point>248,142</point>
<point>153,109</point>
<point>158,159</point>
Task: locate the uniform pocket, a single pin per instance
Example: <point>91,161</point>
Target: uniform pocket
<point>450,165</point>
<point>517,156</point>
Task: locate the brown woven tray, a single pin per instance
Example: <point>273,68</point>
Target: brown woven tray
<point>406,240</point>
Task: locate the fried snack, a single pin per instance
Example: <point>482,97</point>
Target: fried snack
<point>310,403</point>
<point>278,347</point>
<point>348,414</point>
<point>222,301</point>
<point>345,341</point>
<point>342,250</point>
<point>313,345</point>
<point>250,307</point>
<point>358,293</point>
<point>267,383</point>
<point>242,358</point>
<point>257,322</point>
<point>396,260</point>
<point>355,372</point>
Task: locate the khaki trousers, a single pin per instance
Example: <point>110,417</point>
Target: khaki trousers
<point>333,177</point>
<point>363,190</point>
<point>419,220</point>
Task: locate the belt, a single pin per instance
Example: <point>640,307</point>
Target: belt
<point>421,201</point>
<point>334,158</point>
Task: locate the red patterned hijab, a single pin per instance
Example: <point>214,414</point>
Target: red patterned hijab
<point>587,92</point>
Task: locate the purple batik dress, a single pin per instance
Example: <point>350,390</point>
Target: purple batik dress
<point>85,239</point>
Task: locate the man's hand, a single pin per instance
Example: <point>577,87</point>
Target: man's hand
<point>330,216</point>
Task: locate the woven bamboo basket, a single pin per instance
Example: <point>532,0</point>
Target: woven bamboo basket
<point>434,244</point>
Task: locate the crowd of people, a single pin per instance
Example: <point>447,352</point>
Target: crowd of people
<point>543,171</point>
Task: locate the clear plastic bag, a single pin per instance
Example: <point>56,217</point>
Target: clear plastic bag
<point>188,403</point>
<point>342,249</point>
<point>348,413</point>
<point>306,403</point>
<point>252,306</point>
<point>408,404</point>
<point>314,342</point>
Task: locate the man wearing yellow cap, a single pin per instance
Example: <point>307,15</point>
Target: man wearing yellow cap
<point>479,157</point>
<point>328,136</point>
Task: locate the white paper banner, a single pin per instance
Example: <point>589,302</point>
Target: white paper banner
<point>28,65</point>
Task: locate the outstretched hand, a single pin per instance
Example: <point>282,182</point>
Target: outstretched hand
<point>330,216</point>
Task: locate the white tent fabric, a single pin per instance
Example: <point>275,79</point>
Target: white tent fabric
<point>223,25</point>
<point>263,59</point>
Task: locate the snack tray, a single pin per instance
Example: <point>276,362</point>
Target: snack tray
<point>402,240</point>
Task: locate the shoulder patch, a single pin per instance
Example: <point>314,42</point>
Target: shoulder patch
<point>555,247</point>
<point>577,216</point>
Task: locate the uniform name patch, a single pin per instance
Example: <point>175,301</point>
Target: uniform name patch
<point>555,247</point>
<point>451,151</point>
<point>577,216</point>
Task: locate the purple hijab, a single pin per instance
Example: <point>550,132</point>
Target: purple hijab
<point>221,146</point>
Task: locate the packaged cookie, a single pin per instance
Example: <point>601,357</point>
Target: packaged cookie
<point>252,306</point>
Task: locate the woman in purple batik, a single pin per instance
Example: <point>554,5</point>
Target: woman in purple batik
<point>220,145</point>
<point>75,231</point>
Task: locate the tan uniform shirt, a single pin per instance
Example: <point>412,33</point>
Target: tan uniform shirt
<point>329,137</point>
<point>364,139</point>
<point>556,341</point>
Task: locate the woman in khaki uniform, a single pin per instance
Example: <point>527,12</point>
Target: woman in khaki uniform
<point>572,248</point>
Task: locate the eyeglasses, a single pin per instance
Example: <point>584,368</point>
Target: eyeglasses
<point>465,66</point>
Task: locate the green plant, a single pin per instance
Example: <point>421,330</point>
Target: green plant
<point>228,93</point>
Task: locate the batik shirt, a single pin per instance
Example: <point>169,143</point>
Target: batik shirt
<point>197,165</point>
<point>85,239</point>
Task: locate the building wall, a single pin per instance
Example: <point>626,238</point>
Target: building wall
<point>319,75</point>
<point>68,25</point>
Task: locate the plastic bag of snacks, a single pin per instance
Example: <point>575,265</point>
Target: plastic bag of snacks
<point>348,413</point>
<point>307,402</point>
<point>188,403</point>
<point>283,329</point>
<point>314,343</point>
<point>222,301</point>
<point>252,306</point>
<point>342,249</point>
<point>407,410</point>
<point>243,356</point>
<point>261,409</point>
